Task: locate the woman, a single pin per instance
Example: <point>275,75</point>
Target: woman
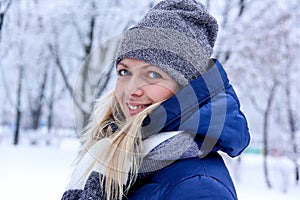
<point>156,136</point>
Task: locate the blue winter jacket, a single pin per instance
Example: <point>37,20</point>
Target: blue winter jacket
<point>194,178</point>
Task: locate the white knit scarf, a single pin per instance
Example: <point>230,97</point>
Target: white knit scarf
<point>160,151</point>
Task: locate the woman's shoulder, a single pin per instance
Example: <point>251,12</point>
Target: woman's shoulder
<point>192,178</point>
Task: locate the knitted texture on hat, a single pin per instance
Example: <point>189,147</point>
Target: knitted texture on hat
<point>177,36</point>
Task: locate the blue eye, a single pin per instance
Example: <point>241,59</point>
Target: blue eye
<point>123,72</point>
<point>153,74</point>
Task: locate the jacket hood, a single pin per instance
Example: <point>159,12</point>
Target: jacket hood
<point>208,108</point>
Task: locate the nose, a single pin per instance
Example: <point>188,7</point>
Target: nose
<point>135,86</point>
<point>137,92</point>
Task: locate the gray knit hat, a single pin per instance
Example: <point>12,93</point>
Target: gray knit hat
<point>177,36</point>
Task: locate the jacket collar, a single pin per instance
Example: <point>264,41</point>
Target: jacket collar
<point>207,107</point>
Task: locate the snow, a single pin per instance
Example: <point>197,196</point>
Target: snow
<point>35,172</point>
<point>250,183</point>
<point>42,172</point>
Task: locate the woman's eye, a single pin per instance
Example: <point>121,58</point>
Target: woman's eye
<point>154,75</point>
<point>123,72</point>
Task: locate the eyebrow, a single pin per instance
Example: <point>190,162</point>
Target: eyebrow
<point>146,65</point>
<point>122,65</point>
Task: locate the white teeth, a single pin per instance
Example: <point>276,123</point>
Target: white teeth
<point>135,107</point>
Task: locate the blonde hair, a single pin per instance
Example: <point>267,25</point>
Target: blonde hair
<point>123,155</point>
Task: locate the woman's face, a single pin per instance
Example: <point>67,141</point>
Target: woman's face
<point>140,85</point>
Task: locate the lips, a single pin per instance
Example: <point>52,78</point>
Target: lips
<point>135,107</point>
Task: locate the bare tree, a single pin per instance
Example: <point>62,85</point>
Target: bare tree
<point>20,66</point>
<point>96,57</point>
<point>51,100</point>
<point>54,48</point>
<point>265,111</point>
<point>36,101</point>
<point>291,115</point>
<point>18,105</point>
<point>54,95</point>
<point>242,5</point>
<point>266,114</point>
<point>291,51</point>
<point>227,25</point>
<point>85,40</point>
<point>4,5</point>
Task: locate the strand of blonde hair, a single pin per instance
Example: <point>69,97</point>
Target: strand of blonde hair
<point>123,157</point>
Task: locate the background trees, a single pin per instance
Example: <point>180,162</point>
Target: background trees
<point>261,52</point>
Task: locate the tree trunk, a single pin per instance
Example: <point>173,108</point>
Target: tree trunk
<point>292,126</point>
<point>242,7</point>
<point>36,110</point>
<point>85,70</point>
<point>18,106</point>
<point>1,22</point>
<point>3,9</point>
<point>265,149</point>
<point>266,134</point>
<point>51,101</point>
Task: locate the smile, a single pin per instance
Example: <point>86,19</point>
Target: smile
<point>135,107</point>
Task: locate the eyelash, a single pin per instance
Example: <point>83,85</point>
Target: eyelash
<point>122,71</point>
<point>156,73</point>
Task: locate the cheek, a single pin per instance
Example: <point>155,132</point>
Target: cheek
<point>159,93</point>
<point>118,92</point>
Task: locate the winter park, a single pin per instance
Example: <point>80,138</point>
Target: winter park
<point>56,59</point>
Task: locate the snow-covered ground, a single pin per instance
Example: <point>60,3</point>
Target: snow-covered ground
<point>250,183</point>
<point>35,172</point>
<point>41,172</point>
